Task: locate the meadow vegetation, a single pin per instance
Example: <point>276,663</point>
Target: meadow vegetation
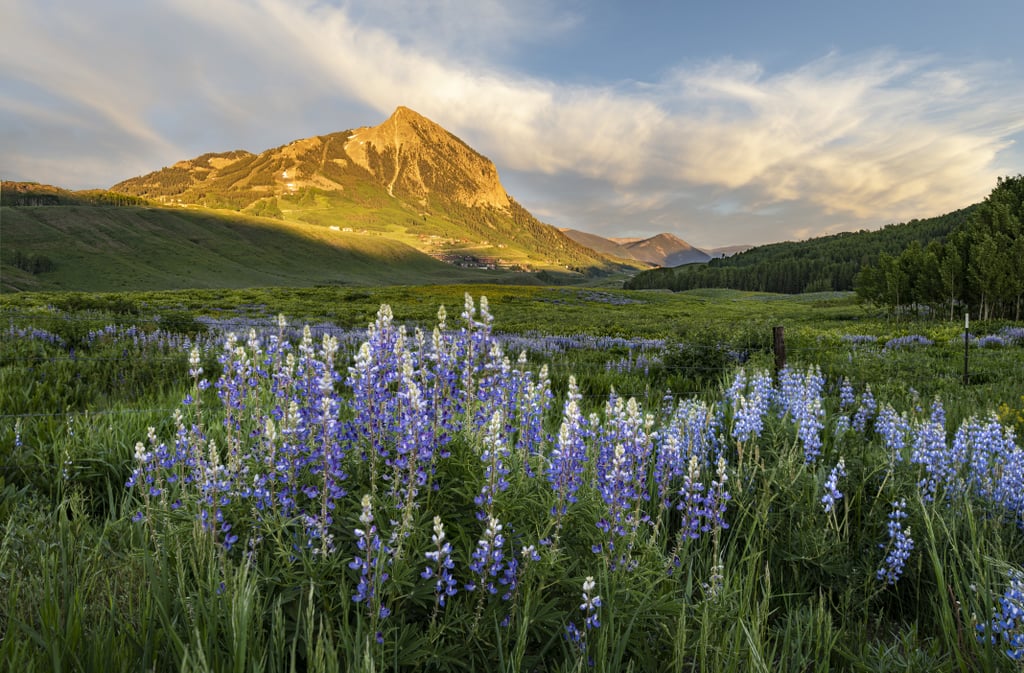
<point>553,479</point>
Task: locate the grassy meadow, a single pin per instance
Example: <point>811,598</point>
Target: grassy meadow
<point>105,249</point>
<point>394,489</point>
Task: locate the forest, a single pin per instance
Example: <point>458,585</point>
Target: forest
<point>979,268</point>
<point>816,265</point>
<point>968,260</point>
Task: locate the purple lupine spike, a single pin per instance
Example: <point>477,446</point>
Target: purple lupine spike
<point>568,457</point>
<point>1006,628</point>
<point>488,559</point>
<point>441,570</point>
<point>865,410</point>
<point>832,493</point>
<point>899,547</point>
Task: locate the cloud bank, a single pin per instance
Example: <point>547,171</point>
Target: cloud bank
<point>720,152</point>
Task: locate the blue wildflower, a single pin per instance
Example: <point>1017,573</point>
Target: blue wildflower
<point>899,546</point>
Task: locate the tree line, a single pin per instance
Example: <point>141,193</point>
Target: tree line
<point>819,264</point>
<point>978,268</point>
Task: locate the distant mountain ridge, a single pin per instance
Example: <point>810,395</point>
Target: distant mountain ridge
<point>407,178</point>
<point>666,250</point>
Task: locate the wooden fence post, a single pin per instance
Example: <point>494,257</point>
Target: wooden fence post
<point>779,343</point>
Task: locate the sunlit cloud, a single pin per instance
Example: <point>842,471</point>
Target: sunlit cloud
<point>843,140</point>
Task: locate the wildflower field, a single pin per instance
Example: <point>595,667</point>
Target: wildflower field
<point>552,480</point>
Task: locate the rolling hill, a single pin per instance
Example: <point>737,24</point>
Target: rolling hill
<point>88,247</point>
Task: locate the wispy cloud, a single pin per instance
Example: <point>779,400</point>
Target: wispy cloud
<point>847,138</point>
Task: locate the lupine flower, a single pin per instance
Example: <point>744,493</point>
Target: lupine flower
<point>441,557</point>
<point>929,449</point>
<point>615,484</point>
<point>488,559</point>
<point>624,451</point>
<point>750,404</point>
<point>718,497</point>
<point>996,463</point>
<point>369,561</point>
<point>590,607</point>
<point>846,396</point>
<point>906,341</point>
<point>1012,334</point>
<point>568,457</point>
<point>893,429</point>
<point>899,547</point>
<point>842,425</point>
<point>494,457</point>
<point>859,338</point>
<point>692,501</point>
<point>989,341</point>
<point>1006,628</point>
<point>865,411</point>
<point>832,493</point>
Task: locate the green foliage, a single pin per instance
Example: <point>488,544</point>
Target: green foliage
<point>83,588</point>
<point>33,264</point>
<point>824,263</point>
<point>979,269</point>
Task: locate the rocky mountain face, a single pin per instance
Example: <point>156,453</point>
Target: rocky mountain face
<point>407,177</point>
<point>413,158</point>
<point>666,250</point>
<point>418,159</point>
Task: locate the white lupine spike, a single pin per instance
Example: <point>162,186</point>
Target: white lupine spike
<point>366,516</point>
<point>326,383</point>
<point>415,398</point>
<point>214,456</point>
<point>330,345</point>
<point>438,536</point>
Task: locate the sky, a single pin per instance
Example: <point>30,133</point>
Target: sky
<point>724,122</point>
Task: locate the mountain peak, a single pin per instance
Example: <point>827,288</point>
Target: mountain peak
<point>663,249</point>
<point>407,114</point>
<point>416,157</point>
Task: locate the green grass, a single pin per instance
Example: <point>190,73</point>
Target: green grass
<point>104,249</point>
<point>82,587</point>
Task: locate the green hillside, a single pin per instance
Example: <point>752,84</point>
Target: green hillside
<point>819,264</point>
<point>102,248</point>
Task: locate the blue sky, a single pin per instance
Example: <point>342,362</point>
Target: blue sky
<point>724,122</point>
